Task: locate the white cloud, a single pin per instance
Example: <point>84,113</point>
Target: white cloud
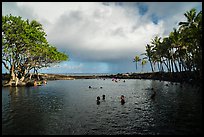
<point>97,32</point>
<point>97,29</point>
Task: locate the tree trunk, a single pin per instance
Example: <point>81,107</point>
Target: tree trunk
<point>136,66</point>
<point>165,63</point>
<point>38,78</point>
<point>162,68</point>
<point>151,65</point>
<point>180,69</point>
<point>172,66</point>
<point>22,78</point>
<point>30,76</point>
<point>158,66</point>
<point>175,66</point>
<point>23,75</point>
<point>169,64</point>
<point>12,73</point>
<point>16,81</point>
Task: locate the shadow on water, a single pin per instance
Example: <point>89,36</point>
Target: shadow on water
<point>181,107</point>
<point>26,110</point>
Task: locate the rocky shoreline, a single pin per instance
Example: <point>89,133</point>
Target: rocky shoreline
<point>179,77</point>
<point>51,77</point>
<point>163,76</point>
<point>41,78</point>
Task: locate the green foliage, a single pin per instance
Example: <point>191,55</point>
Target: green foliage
<point>136,59</point>
<point>182,49</point>
<point>25,47</point>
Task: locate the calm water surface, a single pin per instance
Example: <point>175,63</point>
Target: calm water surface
<point>69,107</point>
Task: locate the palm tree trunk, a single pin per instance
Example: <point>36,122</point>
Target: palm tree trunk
<point>172,66</point>
<point>136,66</point>
<point>158,66</point>
<point>162,68</point>
<point>166,65</point>
<point>169,64</point>
<point>175,66</point>
<point>179,64</point>
<point>151,65</point>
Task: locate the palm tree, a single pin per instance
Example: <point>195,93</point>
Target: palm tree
<point>149,55</point>
<point>136,60</point>
<point>193,20</point>
<point>143,63</point>
<point>181,50</point>
<point>191,32</point>
<point>157,51</point>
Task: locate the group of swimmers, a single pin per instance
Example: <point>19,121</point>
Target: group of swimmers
<point>122,99</point>
<point>116,80</point>
<point>95,87</point>
<point>98,99</point>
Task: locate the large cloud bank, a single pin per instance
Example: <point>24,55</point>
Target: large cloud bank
<point>110,33</point>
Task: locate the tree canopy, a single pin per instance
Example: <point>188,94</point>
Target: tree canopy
<point>25,47</point>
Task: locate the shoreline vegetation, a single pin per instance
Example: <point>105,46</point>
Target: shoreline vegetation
<point>179,77</point>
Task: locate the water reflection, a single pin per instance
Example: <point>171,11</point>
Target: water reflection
<point>70,107</point>
<point>27,107</point>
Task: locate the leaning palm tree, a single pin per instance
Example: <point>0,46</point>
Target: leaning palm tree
<point>136,60</point>
<point>148,55</point>
<point>157,51</point>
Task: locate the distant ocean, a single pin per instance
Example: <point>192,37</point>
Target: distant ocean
<point>80,74</point>
<point>86,74</point>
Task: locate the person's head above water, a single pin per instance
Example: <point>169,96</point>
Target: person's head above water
<point>103,96</point>
<point>122,99</point>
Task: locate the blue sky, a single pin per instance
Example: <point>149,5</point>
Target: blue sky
<point>101,37</point>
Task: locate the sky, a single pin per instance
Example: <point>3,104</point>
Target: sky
<point>101,37</point>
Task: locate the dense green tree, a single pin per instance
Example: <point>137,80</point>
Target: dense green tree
<point>25,47</point>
